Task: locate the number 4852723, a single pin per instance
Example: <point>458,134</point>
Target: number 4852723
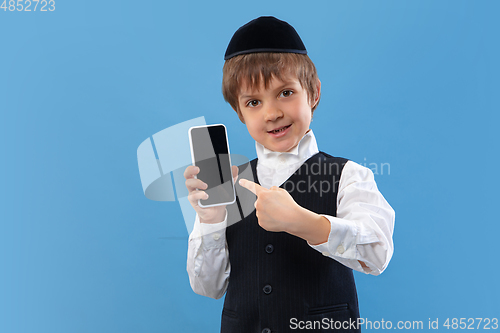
<point>28,5</point>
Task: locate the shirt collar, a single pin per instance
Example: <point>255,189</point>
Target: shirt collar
<point>306,148</point>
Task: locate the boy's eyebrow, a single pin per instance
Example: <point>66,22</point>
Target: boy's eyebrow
<point>284,85</point>
<point>245,96</point>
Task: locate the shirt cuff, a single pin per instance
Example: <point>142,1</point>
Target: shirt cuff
<point>341,241</point>
<point>213,235</point>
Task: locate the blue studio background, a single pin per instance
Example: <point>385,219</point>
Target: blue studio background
<point>412,84</point>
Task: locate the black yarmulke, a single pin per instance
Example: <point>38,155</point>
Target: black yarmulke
<point>265,34</point>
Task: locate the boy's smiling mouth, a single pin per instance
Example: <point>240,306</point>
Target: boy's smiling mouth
<point>279,129</point>
<point>279,132</point>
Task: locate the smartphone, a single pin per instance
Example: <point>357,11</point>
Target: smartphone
<point>210,152</point>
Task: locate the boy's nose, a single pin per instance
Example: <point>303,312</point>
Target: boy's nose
<point>272,113</point>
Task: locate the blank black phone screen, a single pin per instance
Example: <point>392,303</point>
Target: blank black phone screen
<point>211,155</point>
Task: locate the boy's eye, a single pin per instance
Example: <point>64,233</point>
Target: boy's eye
<point>286,93</point>
<point>253,103</point>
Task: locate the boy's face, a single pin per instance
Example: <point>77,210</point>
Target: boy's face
<point>279,116</point>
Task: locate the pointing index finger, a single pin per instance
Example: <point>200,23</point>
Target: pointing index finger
<point>251,186</point>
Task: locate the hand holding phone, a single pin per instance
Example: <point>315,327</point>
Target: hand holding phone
<point>195,186</point>
<point>210,155</point>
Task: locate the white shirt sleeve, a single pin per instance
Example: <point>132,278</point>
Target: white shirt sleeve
<point>208,264</point>
<point>362,230</point>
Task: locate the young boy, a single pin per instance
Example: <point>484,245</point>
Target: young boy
<point>288,264</point>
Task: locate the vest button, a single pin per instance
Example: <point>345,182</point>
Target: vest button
<point>267,289</point>
<point>266,330</point>
<point>269,248</point>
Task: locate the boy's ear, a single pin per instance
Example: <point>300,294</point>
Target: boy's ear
<point>318,93</point>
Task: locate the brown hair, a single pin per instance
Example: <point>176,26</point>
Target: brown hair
<point>253,68</point>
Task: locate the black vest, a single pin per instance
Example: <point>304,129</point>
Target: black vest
<point>277,281</point>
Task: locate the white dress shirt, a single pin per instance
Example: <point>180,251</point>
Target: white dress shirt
<point>361,232</point>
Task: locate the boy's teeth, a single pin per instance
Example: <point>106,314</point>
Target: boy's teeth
<point>280,130</point>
